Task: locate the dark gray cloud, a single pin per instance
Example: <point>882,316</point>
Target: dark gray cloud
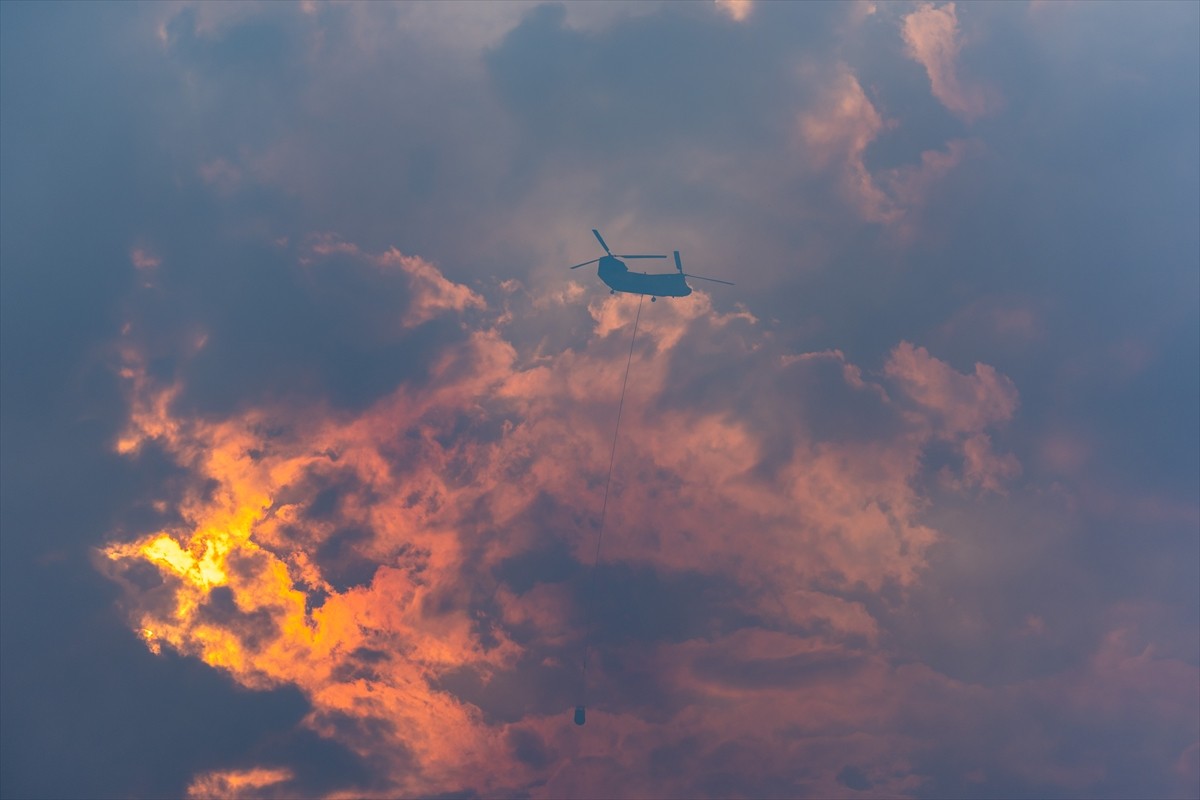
<point>651,82</point>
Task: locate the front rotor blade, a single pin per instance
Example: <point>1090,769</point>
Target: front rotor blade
<point>714,280</point>
<point>600,239</point>
<point>584,264</point>
<point>626,256</point>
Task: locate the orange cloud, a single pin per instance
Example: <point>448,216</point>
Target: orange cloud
<point>960,407</point>
<point>249,783</point>
<point>435,294</point>
<point>362,556</point>
<point>931,34</point>
<point>736,10</point>
<point>836,134</point>
<point>962,403</point>
<point>432,295</point>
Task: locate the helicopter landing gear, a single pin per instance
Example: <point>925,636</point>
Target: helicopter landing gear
<point>653,299</point>
<point>612,291</point>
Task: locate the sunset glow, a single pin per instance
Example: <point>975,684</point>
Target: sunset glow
<point>310,433</point>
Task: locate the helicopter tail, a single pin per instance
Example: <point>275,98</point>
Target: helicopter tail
<point>679,266</point>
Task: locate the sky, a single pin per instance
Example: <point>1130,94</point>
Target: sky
<point>305,424</point>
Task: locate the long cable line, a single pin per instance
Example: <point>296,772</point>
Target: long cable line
<point>581,709</point>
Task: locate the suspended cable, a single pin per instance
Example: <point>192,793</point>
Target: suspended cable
<point>581,709</point>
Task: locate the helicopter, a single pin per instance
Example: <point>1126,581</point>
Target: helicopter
<point>618,278</point>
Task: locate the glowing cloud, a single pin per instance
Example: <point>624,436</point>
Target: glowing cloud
<point>836,133</point>
<point>337,552</point>
<point>737,10</point>
<point>931,34</point>
<point>435,293</point>
<point>256,782</point>
<point>350,493</point>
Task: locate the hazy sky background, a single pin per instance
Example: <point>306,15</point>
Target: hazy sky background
<point>305,423</point>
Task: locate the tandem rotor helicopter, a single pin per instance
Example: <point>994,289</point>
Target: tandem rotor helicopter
<point>617,276</point>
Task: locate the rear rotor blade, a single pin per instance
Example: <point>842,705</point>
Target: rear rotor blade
<point>628,256</point>
<point>584,264</point>
<point>600,239</point>
<point>714,280</point>
<point>678,263</point>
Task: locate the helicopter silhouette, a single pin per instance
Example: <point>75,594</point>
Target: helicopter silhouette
<point>618,278</point>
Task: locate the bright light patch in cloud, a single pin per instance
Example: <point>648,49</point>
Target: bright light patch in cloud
<point>230,784</point>
<point>737,10</point>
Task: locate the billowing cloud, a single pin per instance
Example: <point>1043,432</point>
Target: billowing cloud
<point>290,348</point>
<point>737,10</point>
<point>840,133</point>
<point>836,134</point>
<point>256,782</point>
<point>932,36</point>
<point>431,294</point>
<point>417,568</point>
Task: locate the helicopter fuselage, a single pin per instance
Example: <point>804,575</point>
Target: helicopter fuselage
<point>617,276</point>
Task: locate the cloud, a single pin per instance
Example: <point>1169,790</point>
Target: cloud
<point>963,402</point>
<point>238,783</point>
<point>432,294</point>
<point>143,259</point>
<point>932,36</point>
<point>841,132</point>
<point>736,10</point>
<point>869,528</point>
<point>836,134</point>
<point>372,558</point>
<point>416,567</point>
<point>436,294</point>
